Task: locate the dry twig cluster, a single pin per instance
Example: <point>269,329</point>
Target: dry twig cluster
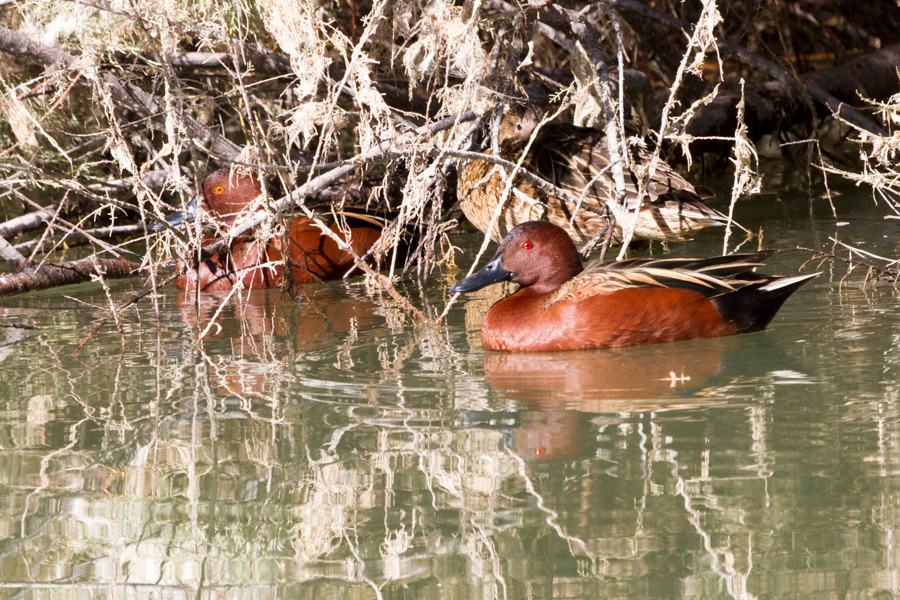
<point>116,112</point>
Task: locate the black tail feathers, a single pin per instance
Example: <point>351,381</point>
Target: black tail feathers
<point>752,307</point>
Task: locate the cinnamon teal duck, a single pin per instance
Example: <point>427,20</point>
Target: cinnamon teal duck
<point>228,197</point>
<point>561,305</point>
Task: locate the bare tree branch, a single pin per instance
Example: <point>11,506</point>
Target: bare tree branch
<point>136,99</point>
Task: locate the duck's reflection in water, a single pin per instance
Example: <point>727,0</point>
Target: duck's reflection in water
<point>266,327</point>
<point>561,393</point>
<point>605,380</point>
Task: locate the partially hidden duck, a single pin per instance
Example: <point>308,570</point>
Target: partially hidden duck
<point>576,159</point>
<point>561,305</point>
<point>228,197</point>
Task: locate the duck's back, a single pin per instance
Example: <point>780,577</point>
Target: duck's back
<point>576,159</point>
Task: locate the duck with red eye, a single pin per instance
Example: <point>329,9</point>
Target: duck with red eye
<point>561,305</point>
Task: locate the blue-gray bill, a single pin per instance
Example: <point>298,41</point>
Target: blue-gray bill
<point>493,272</point>
<point>177,218</point>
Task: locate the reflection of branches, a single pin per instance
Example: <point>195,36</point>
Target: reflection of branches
<point>735,581</point>
<point>484,540</point>
<point>45,463</point>
<point>19,326</point>
<point>73,440</point>
<point>552,518</point>
<point>360,570</point>
<point>115,310</point>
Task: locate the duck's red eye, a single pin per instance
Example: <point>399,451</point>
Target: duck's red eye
<point>219,189</point>
<point>527,245</point>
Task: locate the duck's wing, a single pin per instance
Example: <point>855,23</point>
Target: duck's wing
<point>577,157</point>
<point>711,277</point>
<point>720,266</point>
<point>677,206</point>
<point>667,185</point>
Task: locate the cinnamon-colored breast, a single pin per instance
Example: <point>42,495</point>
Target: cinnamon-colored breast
<point>215,273</point>
<point>260,265</point>
<point>621,318</point>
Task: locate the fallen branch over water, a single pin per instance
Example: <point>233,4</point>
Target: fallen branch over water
<point>78,236</point>
<point>66,273</point>
<point>27,222</point>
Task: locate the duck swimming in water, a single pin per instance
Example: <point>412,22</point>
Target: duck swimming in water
<point>561,305</point>
<point>313,256</point>
<point>576,159</point>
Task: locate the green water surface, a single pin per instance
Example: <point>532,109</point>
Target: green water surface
<point>324,446</point>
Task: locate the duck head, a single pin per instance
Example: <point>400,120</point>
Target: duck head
<point>517,126</point>
<point>227,195</point>
<point>536,255</point>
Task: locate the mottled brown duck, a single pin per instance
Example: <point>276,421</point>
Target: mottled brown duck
<point>576,159</point>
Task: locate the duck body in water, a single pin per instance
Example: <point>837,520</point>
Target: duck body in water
<point>313,256</point>
<point>576,159</point>
<point>561,305</point>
